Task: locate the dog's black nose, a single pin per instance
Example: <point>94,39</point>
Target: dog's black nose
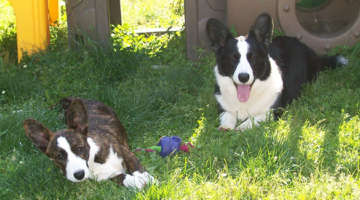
<point>243,77</point>
<point>79,175</point>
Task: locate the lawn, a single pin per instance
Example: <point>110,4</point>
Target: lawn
<point>312,152</point>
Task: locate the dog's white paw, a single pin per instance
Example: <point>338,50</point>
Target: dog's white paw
<point>247,124</point>
<point>227,121</point>
<point>252,122</point>
<point>138,180</point>
<point>224,128</point>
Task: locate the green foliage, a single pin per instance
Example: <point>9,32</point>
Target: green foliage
<point>278,32</point>
<point>124,37</point>
<point>309,4</point>
<point>8,48</point>
<point>153,13</point>
<point>6,15</point>
<point>8,51</point>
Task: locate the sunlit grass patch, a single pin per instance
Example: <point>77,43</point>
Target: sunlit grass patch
<point>348,156</point>
<point>244,186</point>
<point>311,141</point>
<point>281,132</point>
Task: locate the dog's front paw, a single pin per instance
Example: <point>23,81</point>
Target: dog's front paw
<point>138,180</point>
<point>227,121</point>
<point>224,128</point>
<point>247,124</point>
<point>252,121</point>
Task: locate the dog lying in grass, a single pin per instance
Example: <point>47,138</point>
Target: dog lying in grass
<point>94,145</point>
<point>257,74</point>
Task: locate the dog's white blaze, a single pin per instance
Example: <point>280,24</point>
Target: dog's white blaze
<point>74,163</point>
<point>244,65</point>
<point>262,96</point>
<point>112,167</point>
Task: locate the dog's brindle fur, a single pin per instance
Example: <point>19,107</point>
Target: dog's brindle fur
<point>86,119</point>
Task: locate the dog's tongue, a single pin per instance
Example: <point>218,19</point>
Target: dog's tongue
<point>243,92</point>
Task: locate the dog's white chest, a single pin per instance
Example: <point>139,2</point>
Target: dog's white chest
<point>112,167</point>
<point>263,94</point>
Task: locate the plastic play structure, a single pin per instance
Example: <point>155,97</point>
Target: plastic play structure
<point>91,19</point>
<point>321,24</point>
<point>85,18</point>
<point>32,24</point>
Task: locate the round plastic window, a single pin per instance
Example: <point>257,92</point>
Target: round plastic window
<point>327,18</point>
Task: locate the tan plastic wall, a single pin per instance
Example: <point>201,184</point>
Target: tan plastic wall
<point>91,19</point>
<point>196,14</point>
<point>240,15</point>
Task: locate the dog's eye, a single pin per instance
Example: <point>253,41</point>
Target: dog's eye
<point>78,149</point>
<point>249,55</point>
<point>60,156</point>
<point>236,56</point>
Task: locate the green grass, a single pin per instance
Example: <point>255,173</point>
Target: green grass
<point>311,4</point>
<point>312,152</point>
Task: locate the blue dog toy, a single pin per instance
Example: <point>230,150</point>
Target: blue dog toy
<point>168,145</point>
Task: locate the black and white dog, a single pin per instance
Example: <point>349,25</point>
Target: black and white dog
<point>256,74</point>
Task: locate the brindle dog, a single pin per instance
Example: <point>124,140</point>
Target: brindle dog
<point>94,145</point>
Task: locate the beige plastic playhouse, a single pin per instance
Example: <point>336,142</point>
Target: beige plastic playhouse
<point>321,24</point>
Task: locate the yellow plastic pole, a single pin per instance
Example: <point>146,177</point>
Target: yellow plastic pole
<point>53,12</point>
<point>32,25</point>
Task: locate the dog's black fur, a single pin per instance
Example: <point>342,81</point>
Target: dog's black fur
<point>278,66</point>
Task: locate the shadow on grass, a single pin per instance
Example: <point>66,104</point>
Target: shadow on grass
<point>32,178</point>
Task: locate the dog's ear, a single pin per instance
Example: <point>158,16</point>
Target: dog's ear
<point>76,116</point>
<point>65,102</point>
<point>217,33</point>
<point>38,134</point>
<point>262,29</point>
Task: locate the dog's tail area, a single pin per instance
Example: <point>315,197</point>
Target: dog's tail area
<point>332,62</point>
